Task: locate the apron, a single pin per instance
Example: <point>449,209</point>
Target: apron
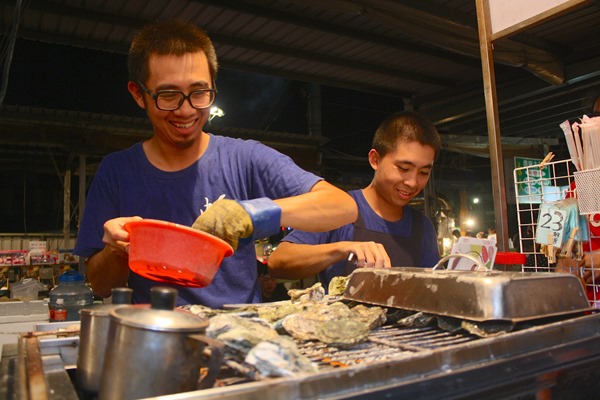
<point>403,251</point>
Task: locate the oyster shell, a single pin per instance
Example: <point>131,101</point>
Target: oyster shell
<point>337,285</point>
<point>335,324</point>
<point>279,357</point>
<point>417,320</point>
<point>487,328</point>
<point>343,333</point>
<point>304,325</point>
<point>315,293</point>
<point>273,314</point>
<point>207,312</point>
<point>449,324</point>
<point>374,317</point>
<point>238,333</point>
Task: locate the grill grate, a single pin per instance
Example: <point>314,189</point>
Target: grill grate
<point>397,362</point>
<point>388,342</point>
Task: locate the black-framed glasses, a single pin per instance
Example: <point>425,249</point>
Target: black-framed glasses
<point>170,100</point>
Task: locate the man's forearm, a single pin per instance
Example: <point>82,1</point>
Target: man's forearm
<point>297,261</point>
<point>322,209</point>
<point>107,269</point>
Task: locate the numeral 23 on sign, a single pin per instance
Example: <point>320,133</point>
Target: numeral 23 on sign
<point>551,221</point>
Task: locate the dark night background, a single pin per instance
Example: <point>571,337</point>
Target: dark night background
<point>62,77</point>
<point>68,78</point>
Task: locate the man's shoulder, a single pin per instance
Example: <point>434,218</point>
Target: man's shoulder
<point>225,145</point>
<point>360,199</point>
<point>232,142</point>
<point>120,156</point>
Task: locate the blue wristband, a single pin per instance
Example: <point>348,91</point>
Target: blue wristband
<point>265,216</point>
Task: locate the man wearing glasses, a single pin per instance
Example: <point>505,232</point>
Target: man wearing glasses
<point>184,175</point>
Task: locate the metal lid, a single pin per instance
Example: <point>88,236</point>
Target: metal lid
<point>121,295</point>
<point>120,298</point>
<point>160,316</point>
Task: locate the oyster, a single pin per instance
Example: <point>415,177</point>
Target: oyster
<point>337,285</point>
<point>374,317</point>
<point>417,320</point>
<point>279,357</point>
<point>273,314</point>
<point>335,324</point>
<point>343,333</point>
<point>240,339</point>
<point>238,333</point>
<point>449,324</point>
<point>207,312</point>
<point>225,322</point>
<point>315,293</point>
<point>304,325</point>
<point>487,328</point>
<point>393,315</point>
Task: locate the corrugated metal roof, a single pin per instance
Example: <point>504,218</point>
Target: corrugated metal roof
<point>423,52</point>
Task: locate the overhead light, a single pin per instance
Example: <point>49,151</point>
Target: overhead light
<point>476,200</point>
<point>215,112</point>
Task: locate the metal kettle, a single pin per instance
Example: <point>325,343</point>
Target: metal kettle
<point>156,350</point>
<point>95,323</point>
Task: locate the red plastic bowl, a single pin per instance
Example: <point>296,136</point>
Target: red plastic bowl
<point>172,253</point>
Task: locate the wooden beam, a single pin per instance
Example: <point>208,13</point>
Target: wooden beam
<point>496,159</point>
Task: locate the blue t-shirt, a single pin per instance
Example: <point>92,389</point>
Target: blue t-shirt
<point>127,184</point>
<point>403,228</point>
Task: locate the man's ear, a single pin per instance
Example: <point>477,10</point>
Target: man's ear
<point>137,94</point>
<point>374,159</point>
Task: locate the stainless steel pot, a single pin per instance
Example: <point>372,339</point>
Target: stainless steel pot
<point>95,322</point>
<point>155,351</point>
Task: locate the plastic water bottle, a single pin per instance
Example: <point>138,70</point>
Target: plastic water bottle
<point>74,292</point>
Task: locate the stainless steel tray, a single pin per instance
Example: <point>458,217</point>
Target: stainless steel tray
<point>473,295</point>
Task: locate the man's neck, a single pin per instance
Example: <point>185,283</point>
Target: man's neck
<point>171,158</point>
<point>385,210</point>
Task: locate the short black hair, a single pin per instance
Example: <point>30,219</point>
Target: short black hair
<point>405,126</point>
<point>164,38</point>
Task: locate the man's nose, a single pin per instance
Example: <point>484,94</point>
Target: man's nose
<point>410,179</point>
<point>186,108</point>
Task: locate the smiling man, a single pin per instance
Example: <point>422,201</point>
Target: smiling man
<point>388,232</point>
<point>235,189</point>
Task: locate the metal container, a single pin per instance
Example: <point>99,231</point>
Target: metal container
<point>154,351</point>
<point>95,322</point>
<point>472,295</point>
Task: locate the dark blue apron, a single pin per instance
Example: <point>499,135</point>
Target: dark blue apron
<point>403,251</point>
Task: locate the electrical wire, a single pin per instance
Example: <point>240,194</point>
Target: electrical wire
<point>10,48</point>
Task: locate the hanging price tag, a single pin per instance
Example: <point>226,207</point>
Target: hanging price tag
<point>551,224</point>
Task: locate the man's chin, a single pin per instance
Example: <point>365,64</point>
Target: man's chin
<point>186,143</point>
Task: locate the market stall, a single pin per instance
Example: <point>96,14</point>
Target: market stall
<point>497,21</point>
<point>553,350</point>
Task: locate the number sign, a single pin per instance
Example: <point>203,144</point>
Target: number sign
<point>551,221</point>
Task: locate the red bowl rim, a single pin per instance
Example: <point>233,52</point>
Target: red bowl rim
<point>228,250</point>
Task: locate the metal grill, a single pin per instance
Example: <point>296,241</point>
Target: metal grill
<point>385,343</point>
<point>425,362</point>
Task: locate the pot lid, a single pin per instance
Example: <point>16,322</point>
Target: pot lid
<point>160,315</point>
<point>120,297</point>
<point>144,317</point>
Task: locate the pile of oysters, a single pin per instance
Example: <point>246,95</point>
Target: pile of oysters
<point>261,334</point>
